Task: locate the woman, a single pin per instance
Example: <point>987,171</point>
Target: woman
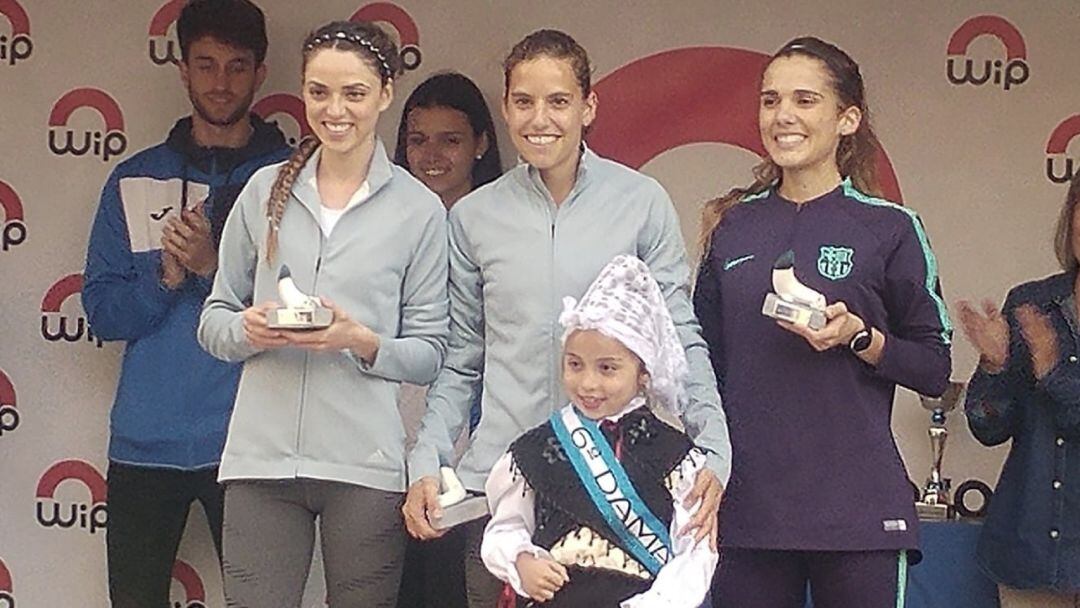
<point>518,246</point>
<point>446,139</point>
<point>315,432</point>
<point>819,493</point>
<point>1027,388</point>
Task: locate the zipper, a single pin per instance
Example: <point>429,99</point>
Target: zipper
<point>307,356</point>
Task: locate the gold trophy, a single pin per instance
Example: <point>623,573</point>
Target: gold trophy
<point>936,501</point>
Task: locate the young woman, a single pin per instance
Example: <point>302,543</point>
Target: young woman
<point>1027,388</point>
<point>819,492</point>
<point>315,433</point>
<point>446,139</point>
<point>518,245</point>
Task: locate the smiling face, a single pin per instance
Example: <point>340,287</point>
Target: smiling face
<point>343,98</point>
<point>441,149</point>
<point>546,113</point>
<point>801,118</point>
<point>600,375</point>
<point>221,80</point>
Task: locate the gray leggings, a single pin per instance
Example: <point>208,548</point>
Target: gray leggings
<point>269,536</point>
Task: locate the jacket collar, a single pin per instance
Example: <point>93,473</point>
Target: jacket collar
<point>587,161</point>
<point>379,174</point>
<point>265,139</point>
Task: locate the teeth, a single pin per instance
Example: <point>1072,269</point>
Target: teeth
<point>540,140</point>
<point>790,139</point>
<point>435,172</point>
<point>337,128</point>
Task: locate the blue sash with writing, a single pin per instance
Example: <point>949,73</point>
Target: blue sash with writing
<point>610,489</point>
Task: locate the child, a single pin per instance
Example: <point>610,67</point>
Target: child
<point>587,508</point>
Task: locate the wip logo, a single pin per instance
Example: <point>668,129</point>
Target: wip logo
<point>14,226</point>
<point>7,594</point>
<point>403,24</point>
<point>284,103</point>
<point>19,46</point>
<point>105,144</point>
<point>90,516</point>
<point>1058,147</point>
<point>694,95</point>
<point>191,583</point>
<point>163,49</point>
<point>1012,72</point>
<point>9,416</point>
<point>50,309</point>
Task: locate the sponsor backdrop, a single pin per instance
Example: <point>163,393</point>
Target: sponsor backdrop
<point>973,100</point>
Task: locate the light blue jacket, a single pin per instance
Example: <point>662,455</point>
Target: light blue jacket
<point>323,415</point>
<point>514,255</point>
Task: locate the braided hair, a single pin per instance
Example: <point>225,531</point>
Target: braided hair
<point>375,47</point>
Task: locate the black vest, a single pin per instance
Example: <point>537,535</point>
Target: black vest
<point>650,452</point>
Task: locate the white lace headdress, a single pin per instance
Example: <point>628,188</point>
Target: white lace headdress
<point>625,303</point>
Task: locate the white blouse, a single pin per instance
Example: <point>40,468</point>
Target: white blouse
<point>682,582</point>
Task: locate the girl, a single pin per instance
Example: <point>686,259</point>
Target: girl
<point>819,492</point>
<point>446,139</point>
<point>540,232</point>
<point>315,433</point>
<point>1027,388</point>
<point>568,498</point>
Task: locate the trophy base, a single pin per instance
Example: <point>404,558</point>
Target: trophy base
<point>299,318</point>
<point>473,507</point>
<point>933,511</point>
<point>792,312</point>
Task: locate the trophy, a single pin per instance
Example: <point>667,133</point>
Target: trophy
<point>935,503</point>
<point>457,505</point>
<point>301,311</point>
<point>792,301</point>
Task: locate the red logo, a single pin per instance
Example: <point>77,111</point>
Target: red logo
<point>695,95</point>
<point>88,516</point>
<point>403,24</point>
<point>189,579</point>
<point>164,50</point>
<point>50,309</point>
<point>9,416</point>
<point>1011,72</point>
<point>105,144</point>
<point>7,597</point>
<point>19,46</point>
<point>1058,146</point>
<point>284,103</point>
<point>14,226</point>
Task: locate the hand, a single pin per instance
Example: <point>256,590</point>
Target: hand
<point>342,333</point>
<point>708,490</point>
<point>540,577</point>
<point>987,332</point>
<point>256,330</point>
<point>188,238</point>
<point>172,272</point>
<point>841,327</point>
<point>421,506</point>
<point>1040,337</point>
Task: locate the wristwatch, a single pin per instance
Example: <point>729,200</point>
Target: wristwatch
<point>861,340</point>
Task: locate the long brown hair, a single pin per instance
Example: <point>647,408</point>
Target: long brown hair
<point>1063,233</point>
<point>375,47</point>
<point>856,156</point>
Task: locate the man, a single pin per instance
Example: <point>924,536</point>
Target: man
<point>150,263</point>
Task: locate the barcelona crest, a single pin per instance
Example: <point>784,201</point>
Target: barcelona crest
<point>835,262</point>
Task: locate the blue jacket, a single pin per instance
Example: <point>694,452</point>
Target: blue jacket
<point>173,400</point>
<point>1031,538</point>
<point>815,464</point>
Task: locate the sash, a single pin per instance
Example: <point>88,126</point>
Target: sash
<point>610,489</point>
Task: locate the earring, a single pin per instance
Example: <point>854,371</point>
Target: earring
<point>479,156</point>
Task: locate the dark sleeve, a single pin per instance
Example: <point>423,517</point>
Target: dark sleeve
<point>994,401</point>
<point>918,338</point>
<point>707,308</point>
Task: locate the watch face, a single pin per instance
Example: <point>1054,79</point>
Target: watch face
<point>861,341</point>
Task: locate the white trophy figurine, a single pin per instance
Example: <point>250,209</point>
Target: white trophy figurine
<point>300,311</point>
<point>792,301</point>
<point>458,507</point>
